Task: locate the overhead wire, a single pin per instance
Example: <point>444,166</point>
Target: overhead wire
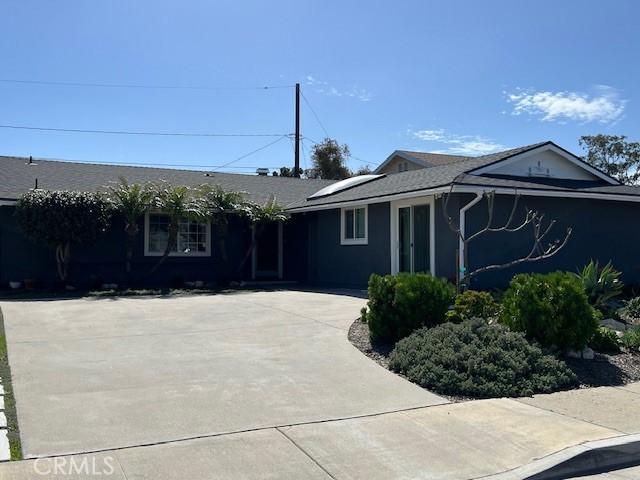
<point>149,133</point>
<point>253,151</point>
<point>314,114</point>
<point>140,86</point>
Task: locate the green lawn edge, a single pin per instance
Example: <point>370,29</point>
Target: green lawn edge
<point>13,431</point>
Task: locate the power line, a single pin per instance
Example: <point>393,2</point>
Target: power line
<point>127,132</point>
<point>350,155</point>
<point>253,151</point>
<point>139,86</point>
<point>314,114</point>
<point>304,155</point>
<point>143,164</point>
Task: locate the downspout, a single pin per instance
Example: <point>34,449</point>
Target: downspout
<point>462,254</point>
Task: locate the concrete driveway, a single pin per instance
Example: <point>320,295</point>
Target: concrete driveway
<point>97,374</point>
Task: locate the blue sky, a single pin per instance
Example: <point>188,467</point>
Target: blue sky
<point>463,77</point>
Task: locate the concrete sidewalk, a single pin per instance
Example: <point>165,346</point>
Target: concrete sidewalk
<point>467,440</point>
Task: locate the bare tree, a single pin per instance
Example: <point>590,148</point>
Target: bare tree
<point>540,249</point>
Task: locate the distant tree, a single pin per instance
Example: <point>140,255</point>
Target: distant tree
<point>329,161</point>
<point>364,170</point>
<point>131,201</point>
<point>614,155</point>
<point>62,219</point>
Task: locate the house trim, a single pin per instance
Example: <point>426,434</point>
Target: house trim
<point>620,197</point>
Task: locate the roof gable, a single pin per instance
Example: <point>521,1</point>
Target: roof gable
<point>418,159</point>
<point>546,160</point>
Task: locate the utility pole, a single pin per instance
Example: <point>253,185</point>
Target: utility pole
<point>296,167</point>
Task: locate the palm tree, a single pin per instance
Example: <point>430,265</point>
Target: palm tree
<point>259,216</point>
<point>178,203</point>
<point>218,205</point>
<point>131,201</point>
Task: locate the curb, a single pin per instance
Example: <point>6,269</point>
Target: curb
<point>589,458</point>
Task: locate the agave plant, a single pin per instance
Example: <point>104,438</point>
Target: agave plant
<point>132,201</point>
<point>600,284</point>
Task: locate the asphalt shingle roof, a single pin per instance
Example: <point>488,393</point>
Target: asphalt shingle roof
<point>413,180</point>
<point>17,176</point>
<point>435,159</point>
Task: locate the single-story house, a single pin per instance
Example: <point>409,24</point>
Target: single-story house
<point>340,232</point>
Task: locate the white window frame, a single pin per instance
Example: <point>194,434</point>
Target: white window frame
<point>354,241</point>
<point>148,253</point>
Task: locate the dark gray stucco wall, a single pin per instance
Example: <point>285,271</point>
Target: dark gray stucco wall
<point>104,262</point>
<point>330,263</point>
<point>603,230</point>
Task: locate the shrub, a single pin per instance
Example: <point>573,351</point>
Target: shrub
<point>605,340</point>
<point>631,339</point>
<point>476,359</point>
<point>600,284</point>
<point>473,304</point>
<point>552,309</point>
<point>400,304</point>
<point>63,219</point>
<point>630,313</point>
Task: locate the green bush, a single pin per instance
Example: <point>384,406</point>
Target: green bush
<point>630,313</point>
<point>473,304</point>
<point>631,339</point>
<point>605,340</point>
<point>600,284</point>
<point>400,304</point>
<point>475,359</point>
<point>552,309</point>
<point>62,220</point>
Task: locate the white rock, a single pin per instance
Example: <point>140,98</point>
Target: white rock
<point>3,420</point>
<point>1,402</point>
<point>1,390</point>
<point>5,452</point>
<point>613,324</point>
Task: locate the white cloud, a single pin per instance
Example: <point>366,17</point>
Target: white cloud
<point>604,106</point>
<point>331,91</point>
<point>470,145</point>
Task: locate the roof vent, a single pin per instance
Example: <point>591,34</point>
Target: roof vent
<point>344,185</point>
<point>263,172</point>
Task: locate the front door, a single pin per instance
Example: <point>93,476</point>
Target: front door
<point>267,254</point>
<point>413,238</point>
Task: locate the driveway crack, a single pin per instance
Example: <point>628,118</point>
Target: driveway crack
<point>305,452</point>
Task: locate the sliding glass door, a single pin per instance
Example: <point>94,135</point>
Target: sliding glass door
<point>413,238</point>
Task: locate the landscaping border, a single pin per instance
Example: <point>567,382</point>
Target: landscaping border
<point>13,431</point>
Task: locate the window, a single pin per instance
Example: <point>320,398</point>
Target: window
<point>354,226</point>
<point>193,238</point>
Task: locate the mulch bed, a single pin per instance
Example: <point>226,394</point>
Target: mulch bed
<point>603,370</point>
